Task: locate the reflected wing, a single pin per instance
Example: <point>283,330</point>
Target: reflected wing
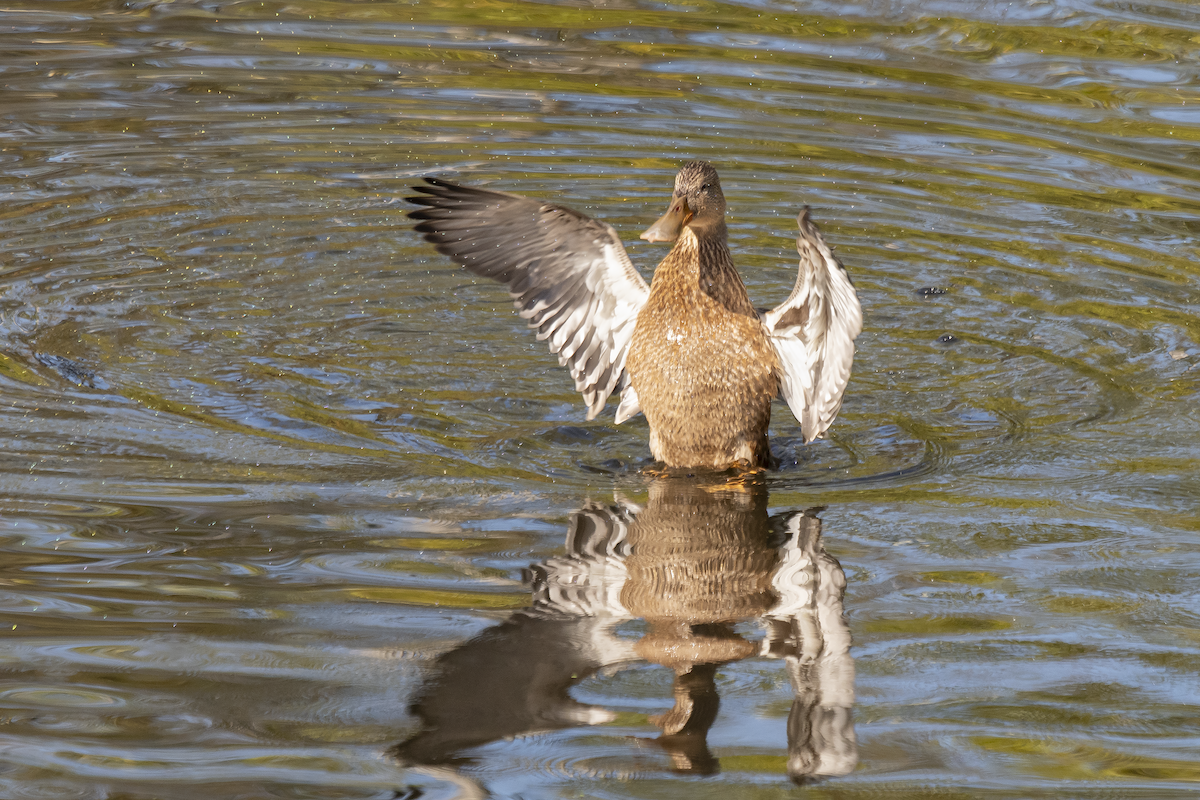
<point>813,333</point>
<point>568,274</point>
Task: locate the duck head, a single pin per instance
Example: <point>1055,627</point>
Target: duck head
<point>697,203</point>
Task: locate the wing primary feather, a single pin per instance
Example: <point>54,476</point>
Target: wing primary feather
<point>813,332</point>
<point>569,275</point>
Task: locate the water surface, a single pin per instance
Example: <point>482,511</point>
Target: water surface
<point>275,476</point>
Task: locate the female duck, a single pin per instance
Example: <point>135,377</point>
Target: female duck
<point>689,351</point>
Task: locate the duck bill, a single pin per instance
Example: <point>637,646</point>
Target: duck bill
<point>670,224</point>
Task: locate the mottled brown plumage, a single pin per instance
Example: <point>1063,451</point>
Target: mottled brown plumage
<point>689,351</point>
<point>700,362</point>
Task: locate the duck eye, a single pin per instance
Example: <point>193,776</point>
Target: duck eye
<point>704,188</point>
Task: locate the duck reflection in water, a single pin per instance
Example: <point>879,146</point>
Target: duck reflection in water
<point>692,563</point>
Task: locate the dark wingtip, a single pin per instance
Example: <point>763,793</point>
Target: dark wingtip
<point>433,192</point>
<point>422,199</point>
<point>422,213</point>
<point>808,228</point>
<point>432,181</point>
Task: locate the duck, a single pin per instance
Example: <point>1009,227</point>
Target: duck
<point>690,351</point>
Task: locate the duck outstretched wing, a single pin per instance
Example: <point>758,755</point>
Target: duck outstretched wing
<point>813,333</point>
<point>568,274</point>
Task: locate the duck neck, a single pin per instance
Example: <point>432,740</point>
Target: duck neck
<point>695,252</point>
<point>700,262</point>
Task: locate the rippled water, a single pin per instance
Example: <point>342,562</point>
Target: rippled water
<point>292,507</point>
